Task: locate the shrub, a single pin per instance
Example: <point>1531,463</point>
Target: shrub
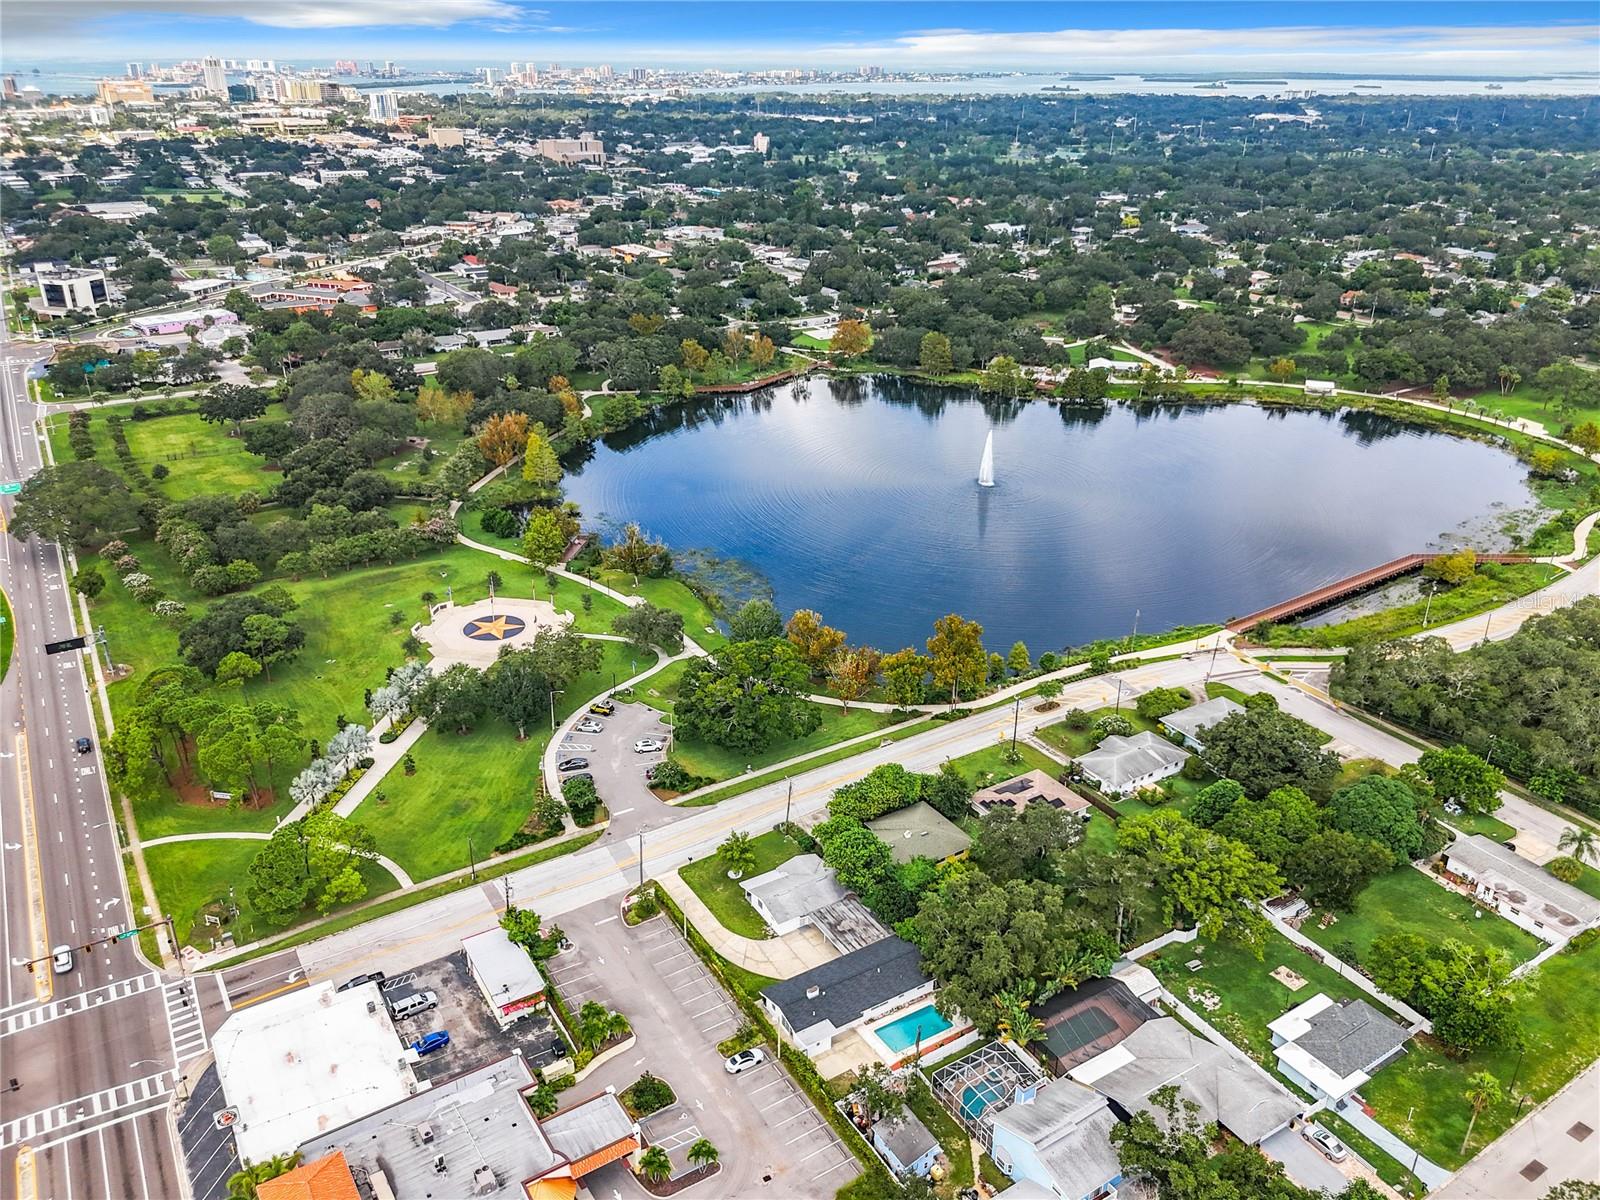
<point>582,799</point>
<point>1113,725</point>
<point>1566,868</point>
<point>673,776</point>
<point>1076,718</point>
<point>160,471</point>
<point>649,1093</point>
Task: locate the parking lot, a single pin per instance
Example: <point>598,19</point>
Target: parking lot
<point>617,768</point>
<point>771,1137</point>
<point>475,1036</point>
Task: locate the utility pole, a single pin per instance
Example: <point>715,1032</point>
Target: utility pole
<point>641,858</point>
<point>1016,716</point>
<point>788,802</point>
<point>1119,693</point>
<point>472,857</point>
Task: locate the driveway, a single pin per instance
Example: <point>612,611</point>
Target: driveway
<point>619,771</point>
<point>1305,1164</point>
<point>771,1138</point>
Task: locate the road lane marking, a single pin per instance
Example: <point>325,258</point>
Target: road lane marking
<point>44,987</point>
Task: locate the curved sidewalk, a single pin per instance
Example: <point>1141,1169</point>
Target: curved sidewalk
<point>776,958</point>
<point>388,864</point>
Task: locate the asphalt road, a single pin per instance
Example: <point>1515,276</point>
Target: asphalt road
<point>87,1055</point>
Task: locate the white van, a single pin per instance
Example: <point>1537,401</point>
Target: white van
<point>410,1006</point>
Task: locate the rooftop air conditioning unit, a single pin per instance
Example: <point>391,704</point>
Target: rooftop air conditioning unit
<point>425,1132</point>
<point>438,1165</point>
<point>484,1181</point>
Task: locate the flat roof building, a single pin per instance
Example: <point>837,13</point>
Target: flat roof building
<point>786,896</point>
<point>505,973</point>
<point>1520,891</point>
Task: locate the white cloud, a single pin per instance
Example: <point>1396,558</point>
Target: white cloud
<point>38,20</point>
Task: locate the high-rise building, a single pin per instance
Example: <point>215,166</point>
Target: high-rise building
<point>605,71</point>
<point>388,69</point>
<point>567,151</point>
<point>761,143</point>
<point>344,66</point>
<point>135,70</point>
<point>213,76</point>
<point>638,74</point>
<point>488,76</point>
<point>8,87</point>
<point>383,106</point>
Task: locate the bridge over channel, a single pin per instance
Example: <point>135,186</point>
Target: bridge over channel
<point>1351,585</point>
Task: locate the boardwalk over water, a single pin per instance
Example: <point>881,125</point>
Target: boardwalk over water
<point>1350,585</point>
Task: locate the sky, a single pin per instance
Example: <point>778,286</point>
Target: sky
<point>1440,37</point>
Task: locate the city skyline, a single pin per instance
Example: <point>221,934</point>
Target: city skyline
<point>1550,36</point>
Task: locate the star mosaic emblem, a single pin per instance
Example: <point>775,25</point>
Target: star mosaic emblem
<point>494,629</point>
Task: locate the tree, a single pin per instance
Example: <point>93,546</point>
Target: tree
<point>762,351</point>
<point>539,464</point>
<point>597,1025</point>
<point>544,538</point>
<point>815,642</point>
<point>737,854</point>
<point>1483,1089</point>
<point>851,339</point>
<point>693,355</point>
<point>1004,377</point>
<point>319,856</point>
<point>524,927</point>
<point>1383,809</point>
<point>77,502</point>
<point>853,672</point>
<point>1469,992</point>
<point>877,1094</point>
<point>1265,748</point>
<point>242,1184</point>
<point>934,357</point>
<point>1214,802</point>
<point>1019,661</point>
<point>948,791</point>
<point>1117,884</point>
<point>1331,867</point>
<point>544,1100</point>
<point>1166,1145</point>
<point>654,1164</point>
<point>1025,844</point>
<point>88,582</point>
<point>1049,690</point>
<point>703,1154</point>
<point>755,620</point>
<point>237,667</point>
<point>503,436</point>
<point>645,626</point>
<point>1441,390</point>
<point>458,697</point>
<point>1209,880</point>
<point>1580,843</point>
<point>233,404</point>
<point>1281,369</point>
<point>956,656</point>
<point>636,554</point>
<point>905,674</point>
<point>1161,702</point>
<point>1459,776</point>
<point>750,696</point>
<point>1112,725</point>
<point>1454,568</point>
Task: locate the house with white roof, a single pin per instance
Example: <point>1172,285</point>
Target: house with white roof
<point>1125,764</point>
<point>1521,891</point>
<point>1332,1047</point>
<point>1188,723</point>
<point>1057,1136</point>
<point>786,896</point>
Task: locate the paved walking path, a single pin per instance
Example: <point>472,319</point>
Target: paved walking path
<point>388,864</point>
<point>1431,1173</point>
<point>776,958</point>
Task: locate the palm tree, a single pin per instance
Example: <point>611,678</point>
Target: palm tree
<point>543,1101</point>
<point>242,1183</point>
<point>1017,1024</point>
<point>1580,842</point>
<point>654,1164</point>
<point>598,1025</point>
<point>1483,1089</point>
<point>737,854</point>
<point>704,1155</point>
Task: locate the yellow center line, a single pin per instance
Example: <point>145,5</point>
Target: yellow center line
<point>43,979</point>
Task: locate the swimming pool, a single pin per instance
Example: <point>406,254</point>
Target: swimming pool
<point>920,1024</point>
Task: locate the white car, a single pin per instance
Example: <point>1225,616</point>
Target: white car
<point>588,726</point>
<point>61,960</point>
<point>1324,1140</point>
<point>744,1061</point>
<point>648,746</point>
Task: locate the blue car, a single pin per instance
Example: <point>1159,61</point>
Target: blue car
<point>436,1040</point>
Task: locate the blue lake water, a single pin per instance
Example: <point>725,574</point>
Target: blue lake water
<point>858,498</point>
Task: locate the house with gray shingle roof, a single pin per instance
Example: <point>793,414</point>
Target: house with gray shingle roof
<point>1332,1047</point>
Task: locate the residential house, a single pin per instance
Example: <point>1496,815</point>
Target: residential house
<point>904,1143</point>
<point>1125,764</point>
<point>1058,1136</point>
<point>813,1008</point>
<point>1520,891</point>
<point>920,831</point>
<point>1084,1022</point>
<point>1332,1047</point>
<point>1190,722</point>
<point>786,896</point>
<point>1035,787</point>
<point>1223,1086</point>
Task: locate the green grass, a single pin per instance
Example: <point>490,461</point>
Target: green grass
<point>718,763</point>
<point>1383,1164</point>
<point>1213,690</point>
<point>699,622</point>
<point>1490,827</point>
<point>1250,997</point>
<point>204,458</point>
<point>991,765</point>
<point>709,880</point>
<point>1420,1096</point>
<point>190,875</point>
<point>8,632</point>
<point>1407,901</point>
<point>1589,882</point>
<point>1530,402</point>
<point>1075,742</point>
<point>806,342</point>
<point>471,791</point>
<point>953,1140</point>
<point>838,754</point>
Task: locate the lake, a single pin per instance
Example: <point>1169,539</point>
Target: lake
<point>858,498</point>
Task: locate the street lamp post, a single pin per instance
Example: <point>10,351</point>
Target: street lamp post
<point>472,857</point>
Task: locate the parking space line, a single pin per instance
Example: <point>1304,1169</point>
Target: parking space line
<point>675,954</point>
<point>703,1011</point>
<point>679,971</point>
<point>787,1096</point>
<point>835,1167</point>
<point>795,1117</point>
<point>819,1150</point>
<point>765,1086</point>
<point>804,1133</point>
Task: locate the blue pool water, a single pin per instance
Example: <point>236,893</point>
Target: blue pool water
<point>973,1102</point>
<point>902,1033</point>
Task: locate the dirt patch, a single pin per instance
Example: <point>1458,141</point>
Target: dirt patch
<point>198,795</point>
<point>1290,979</point>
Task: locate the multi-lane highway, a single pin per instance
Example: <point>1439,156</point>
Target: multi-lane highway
<point>89,1055</point>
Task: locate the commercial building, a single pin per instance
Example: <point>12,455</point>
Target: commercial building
<point>1332,1047</point>
<point>506,975</point>
<point>384,106</point>
<point>177,322</point>
<point>474,1135</point>
<point>125,91</point>
<point>307,1061</point>
<point>214,77</point>
<point>444,136</point>
<point>65,290</point>
<point>571,151</point>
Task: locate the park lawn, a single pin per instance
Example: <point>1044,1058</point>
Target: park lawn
<point>992,765</point>
<point>1420,1096</point>
<point>699,622</point>
<point>806,342</point>
<point>1407,901</point>
<point>205,459</point>
<point>1249,997</point>
<point>1076,742</point>
<point>190,875</point>
<point>825,758</point>
<point>406,467</point>
<point>471,791</point>
<point>1530,402</point>
<point>470,521</point>
<point>718,763</point>
<point>708,879</point>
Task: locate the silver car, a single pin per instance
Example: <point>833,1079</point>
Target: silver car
<point>1324,1141</point>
